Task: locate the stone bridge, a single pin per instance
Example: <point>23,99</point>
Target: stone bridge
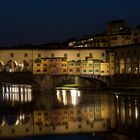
<point>47,82</point>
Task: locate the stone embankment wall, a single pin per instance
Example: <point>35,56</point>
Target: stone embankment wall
<point>124,80</point>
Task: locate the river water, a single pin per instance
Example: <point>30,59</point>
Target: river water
<point>121,110</point>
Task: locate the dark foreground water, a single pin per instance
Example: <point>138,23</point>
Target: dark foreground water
<point>63,137</point>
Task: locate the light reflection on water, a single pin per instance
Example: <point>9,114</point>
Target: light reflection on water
<point>16,93</point>
<point>68,96</point>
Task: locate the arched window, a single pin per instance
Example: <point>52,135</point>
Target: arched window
<point>24,66</point>
<point>11,66</point>
<point>135,65</point>
<point>128,65</point>
<point>122,68</point>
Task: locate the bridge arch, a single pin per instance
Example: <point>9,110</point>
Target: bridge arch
<point>25,65</point>
<point>1,66</point>
<point>11,66</point>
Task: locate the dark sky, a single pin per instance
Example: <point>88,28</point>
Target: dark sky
<point>40,21</point>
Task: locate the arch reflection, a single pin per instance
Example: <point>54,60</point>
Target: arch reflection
<point>16,93</point>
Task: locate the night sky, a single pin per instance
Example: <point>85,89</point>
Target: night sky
<point>42,21</point>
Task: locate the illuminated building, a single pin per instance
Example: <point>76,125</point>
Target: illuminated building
<point>115,51</point>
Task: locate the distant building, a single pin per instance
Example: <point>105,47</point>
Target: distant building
<point>115,51</point>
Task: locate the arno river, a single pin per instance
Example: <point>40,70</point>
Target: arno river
<point>72,111</point>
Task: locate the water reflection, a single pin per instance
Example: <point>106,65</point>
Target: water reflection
<point>16,93</point>
<point>127,110</point>
<point>68,96</point>
<point>72,109</point>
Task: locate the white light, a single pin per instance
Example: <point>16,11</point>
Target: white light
<point>58,95</point>
<point>17,122</point>
<point>21,97</point>
<point>3,90</point>
<point>7,90</point>
<point>29,96</point>
<point>117,97</point>
<point>21,89</point>
<point>136,112</point>
<point>64,97</point>
<point>3,123</point>
<point>78,93</point>
<point>74,97</point>
<point>10,70</point>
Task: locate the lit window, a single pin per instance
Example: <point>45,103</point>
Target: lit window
<point>12,55</point>
<point>25,55</point>
<point>52,55</point>
<point>38,70</point>
<point>78,54</point>
<point>103,54</point>
<point>90,55</point>
<point>65,54</point>
<point>39,54</point>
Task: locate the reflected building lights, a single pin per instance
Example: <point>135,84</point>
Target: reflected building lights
<point>68,97</point>
<point>64,97</point>
<point>58,94</point>
<point>17,122</point>
<point>17,93</point>
<point>73,97</point>
<point>136,112</point>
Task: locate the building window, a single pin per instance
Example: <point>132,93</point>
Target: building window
<point>78,54</point>
<point>45,70</point>
<point>12,55</point>
<point>38,64</point>
<point>90,55</point>
<point>65,54</point>
<point>25,55</point>
<point>39,54</point>
<point>103,54</point>
<point>77,70</point>
<point>52,55</point>
<point>38,70</point>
